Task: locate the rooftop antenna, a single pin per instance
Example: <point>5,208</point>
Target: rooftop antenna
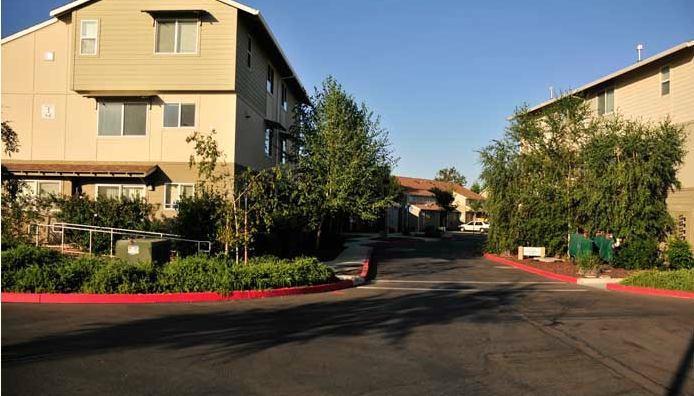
<point>551,92</point>
<point>639,48</point>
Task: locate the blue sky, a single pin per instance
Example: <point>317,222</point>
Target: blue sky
<point>444,75</point>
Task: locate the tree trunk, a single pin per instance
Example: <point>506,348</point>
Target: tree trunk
<point>319,232</point>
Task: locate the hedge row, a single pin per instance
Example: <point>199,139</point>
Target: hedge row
<point>36,270</point>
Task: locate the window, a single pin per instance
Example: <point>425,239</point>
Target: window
<point>176,191</point>
<point>179,115</point>
<point>284,97</point>
<point>120,190</point>
<point>270,79</point>
<point>268,141</point>
<point>665,81</point>
<point>606,101</point>
<point>283,151</point>
<point>88,33</point>
<point>122,119</point>
<point>41,188</point>
<point>249,52</point>
<point>176,36</point>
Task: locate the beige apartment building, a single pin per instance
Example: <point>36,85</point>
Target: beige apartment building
<point>651,90</point>
<point>104,94</point>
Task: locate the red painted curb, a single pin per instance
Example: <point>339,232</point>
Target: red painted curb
<point>648,290</point>
<point>82,298</point>
<point>546,274</point>
<point>365,266</point>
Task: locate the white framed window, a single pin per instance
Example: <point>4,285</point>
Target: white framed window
<point>132,191</point>
<point>176,36</point>
<point>179,115</point>
<point>665,80</point>
<point>283,151</point>
<point>122,119</point>
<point>284,97</point>
<point>42,188</point>
<point>249,52</point>
<point>270,80</point>
<point>89,31</point>
<point>176,191</point>
<point>269,134</point>
<point>606,101</point>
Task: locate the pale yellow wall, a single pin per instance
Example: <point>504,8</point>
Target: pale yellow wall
<point>126,59</point>
<point>637,94</point>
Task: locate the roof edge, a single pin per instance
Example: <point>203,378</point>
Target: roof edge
<point>660,55</point>
<point>29,30</point>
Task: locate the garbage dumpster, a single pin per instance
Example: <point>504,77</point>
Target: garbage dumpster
<point>580,245</point>
<point>157,251</point>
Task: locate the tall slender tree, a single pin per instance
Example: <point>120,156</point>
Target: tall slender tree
<point>451,175</point>
<point>344,159</point>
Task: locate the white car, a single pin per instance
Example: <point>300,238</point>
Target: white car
<point>475,226</point>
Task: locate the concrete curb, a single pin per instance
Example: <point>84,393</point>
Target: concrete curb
<point>546,274</point>
<point>607,284</point>
<point>84,298</point>
<point>361,278</point>
<point>648,290</point>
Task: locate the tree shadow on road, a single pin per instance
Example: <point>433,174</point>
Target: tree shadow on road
<point>235,332</point>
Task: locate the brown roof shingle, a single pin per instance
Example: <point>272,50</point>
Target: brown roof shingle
<point>416,186</point>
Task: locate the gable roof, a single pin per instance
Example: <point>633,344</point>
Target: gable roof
<point>416,186</point>
<point>57,12</point>
<point>638,65</point>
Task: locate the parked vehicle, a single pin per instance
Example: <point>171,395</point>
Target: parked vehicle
<point>475,226</point>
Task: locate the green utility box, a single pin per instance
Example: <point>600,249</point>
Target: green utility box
<point>157,251</point>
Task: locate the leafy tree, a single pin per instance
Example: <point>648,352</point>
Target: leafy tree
<point>451,175</point>
<point>445,200</point>
<point>563,168</point>
<point>476,187</point>
<point>344,162</point>
<point>9,139</point>
<point>477,206</point>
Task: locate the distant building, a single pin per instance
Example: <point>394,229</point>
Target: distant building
<point>651,90</point>
<point>104,94</point>
<point>419,208</point>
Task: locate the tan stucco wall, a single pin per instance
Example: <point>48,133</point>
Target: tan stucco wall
<point>126,58</point>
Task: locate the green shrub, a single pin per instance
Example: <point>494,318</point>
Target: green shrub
<point>34,279</point>
<point>679,254</point>
<point>432,232</point>
<point>25,255</point>
<point>73,274</point>
<point>637,254</point>
<point>187,222</point>
<point>588,263</point>
<point>192,274</point>
<point>120,277</point>
<point>124,212</point>
<point>670,280</point>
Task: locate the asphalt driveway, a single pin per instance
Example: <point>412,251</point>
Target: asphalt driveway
<point>437,318</point>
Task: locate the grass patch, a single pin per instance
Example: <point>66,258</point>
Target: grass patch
<point>682,280</point>
<point>28,269</point>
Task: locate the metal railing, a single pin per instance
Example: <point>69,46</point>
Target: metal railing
<point>59,228</point>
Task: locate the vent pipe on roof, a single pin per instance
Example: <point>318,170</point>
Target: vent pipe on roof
<point>639,48</point>
<point>551,92</point>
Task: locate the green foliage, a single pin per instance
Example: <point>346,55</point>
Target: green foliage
<point>344,163</point>
<point>451,175</point>
<point>588,263</point>
<point>124,212</point>
<point>679,254</point>
<point>682,280</point>
<point>563,168</point>
<point>432,231</point>
<point>10,140</point>
<point>637,254</point>
<point>199,217</point>
<point>36,270</point>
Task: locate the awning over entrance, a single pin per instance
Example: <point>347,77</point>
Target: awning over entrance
<point>417,208</point>
<point>81,170</point>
